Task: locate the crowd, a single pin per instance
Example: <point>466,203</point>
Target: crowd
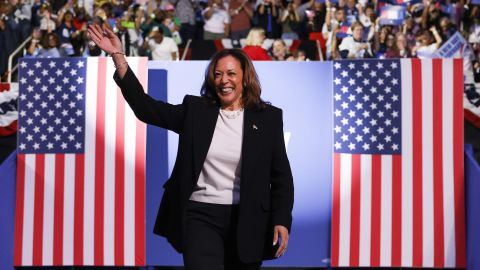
<point>157,28</point>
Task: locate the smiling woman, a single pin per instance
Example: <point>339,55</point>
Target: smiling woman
<point>230,195</point>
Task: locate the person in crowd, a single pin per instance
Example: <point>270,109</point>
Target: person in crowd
<point>185,11</point>
<point>156,19</point>
<point>268,13</point>
<point>353,46</point>
<point>381,42</point>
<point>172,23</point>
<point>34,47</point>
<point>427,45</point>
<point>217,21</point>
<point>290,22</point>
<point>351,8</point>
<point>161,47</point>
<point>334,20</point>
<point>300,55</point>
<point>280,51</point>
<point>400,49</point>
<point>315,18</point>
<point>51,46</point>
<point>22,14</point>
<point>47,22</point>
<point>411,29</point>
<point>66,31</point>
<point>241,13</point>
<point>447,29</point>
<point>223,207</point>
<point>253,47</point>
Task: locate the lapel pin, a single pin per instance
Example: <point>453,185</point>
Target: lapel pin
<point>255,127</point>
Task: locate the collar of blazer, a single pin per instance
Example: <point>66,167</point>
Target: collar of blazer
<point>204,126</point>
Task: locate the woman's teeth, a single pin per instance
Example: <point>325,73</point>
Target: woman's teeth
<point>227,90</point>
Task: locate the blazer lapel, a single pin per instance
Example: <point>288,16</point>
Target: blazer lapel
<point>204,126</point>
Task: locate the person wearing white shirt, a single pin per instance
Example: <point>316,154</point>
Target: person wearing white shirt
<point>353,46</point>
<point>162,48</point>
<point>217,21</point>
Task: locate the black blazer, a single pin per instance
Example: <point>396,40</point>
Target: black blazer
<point>266,186</point>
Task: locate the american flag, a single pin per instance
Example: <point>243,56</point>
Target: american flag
<point>398,190</point>
<point>80,167</point>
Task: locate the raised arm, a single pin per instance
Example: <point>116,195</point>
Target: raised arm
<point>146,108</point>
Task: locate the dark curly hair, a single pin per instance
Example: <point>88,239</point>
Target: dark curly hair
<point>251,85</point>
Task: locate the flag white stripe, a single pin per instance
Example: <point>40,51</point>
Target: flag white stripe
<point>407,171</point>
<point>345,204</point>
<point>68,209</point>
<point>89,184</point>
<point>109,188</point>
<point>427,163</point>
<point>28,212</point>
<point>130,147</point>
<point>48,209</point>
<point>365,209</point>
<point>386,212</point>
<point>448,179</point>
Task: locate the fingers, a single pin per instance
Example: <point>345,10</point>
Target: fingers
<point>282,232</point>
<point>94,34</point>
<point>275,236</point>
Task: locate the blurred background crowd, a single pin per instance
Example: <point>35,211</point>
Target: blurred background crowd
<point>266,29</point>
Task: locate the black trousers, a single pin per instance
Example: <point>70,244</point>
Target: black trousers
<point>210,241</point>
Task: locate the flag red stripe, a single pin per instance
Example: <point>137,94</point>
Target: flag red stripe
<point>17,253</point>
<point>417,162</point>
<point>79,207</point>
<point>376,210</point>
<point>355,211</point>
<point>38,210</point>
<point>438,247</point>
<point>119,181</point>
<point>396,210</point>
<point>100,163</point>
<point>460,241</point>
<point>58,209</point>
<point>140,155</point>
<point>335,210</point>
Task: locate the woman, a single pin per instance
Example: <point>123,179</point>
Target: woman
<point>400,49</point>
<point>280,51</point>
<point>217,21</point>
<point>230,194</point>
<point>253,47</point>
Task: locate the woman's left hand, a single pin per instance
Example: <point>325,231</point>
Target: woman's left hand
<point>281,232</point>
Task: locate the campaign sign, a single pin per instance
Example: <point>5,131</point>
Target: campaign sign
<point>392,15</point>
<point>452,46</point>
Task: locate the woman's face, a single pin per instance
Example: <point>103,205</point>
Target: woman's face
<point>357,32</point>
<point>228,76</point>
<point>401,42</point>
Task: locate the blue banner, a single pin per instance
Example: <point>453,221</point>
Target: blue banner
<point>472,190</point>
<point>8,171</point>
<point>392,15</point>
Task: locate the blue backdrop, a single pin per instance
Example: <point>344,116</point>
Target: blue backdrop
<point>303,91</point>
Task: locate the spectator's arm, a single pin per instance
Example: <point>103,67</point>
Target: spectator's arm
<point>2,25</point>
<point>328,16</point>
<point>334,44</point>
<point>174,55</point>
<point>436,35</point>
<point>208,12</point>
<point>261,9</point>
<point>247,9</point>
<point>426,7</point>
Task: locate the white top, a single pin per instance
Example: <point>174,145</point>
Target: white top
<point>216,23</point>
<point>353,47</point>
<point>164,50</point>
<point>219,180</point>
